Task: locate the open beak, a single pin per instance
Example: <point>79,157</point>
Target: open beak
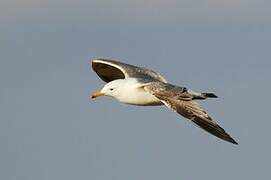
<point>97,94</point>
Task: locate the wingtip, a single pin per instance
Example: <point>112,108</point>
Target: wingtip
<point>233,141</point>
<point>230,139</point>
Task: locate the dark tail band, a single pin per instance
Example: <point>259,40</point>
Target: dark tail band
<point>209,95</point>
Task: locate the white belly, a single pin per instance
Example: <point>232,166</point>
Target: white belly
<point>140,97</point>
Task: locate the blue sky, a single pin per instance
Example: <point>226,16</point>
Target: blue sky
<point>50,129</point>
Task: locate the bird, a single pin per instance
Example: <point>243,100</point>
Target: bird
<point>141,86</point>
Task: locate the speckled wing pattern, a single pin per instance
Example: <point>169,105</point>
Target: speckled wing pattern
<point>109,70</point>
<point>181,101</point>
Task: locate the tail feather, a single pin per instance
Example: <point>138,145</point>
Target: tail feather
<point>201,96</point>
<point>209,95</point>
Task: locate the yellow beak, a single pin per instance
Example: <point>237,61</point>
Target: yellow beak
<point>97,94</point>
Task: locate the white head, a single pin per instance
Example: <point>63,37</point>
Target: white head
<point>113,89</point>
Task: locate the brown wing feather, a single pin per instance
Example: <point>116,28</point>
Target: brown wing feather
<point>192,110</point>
<point>185,106</point>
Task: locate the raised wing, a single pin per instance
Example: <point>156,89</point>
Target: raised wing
<point>182,102</point>
<point>109,70</point>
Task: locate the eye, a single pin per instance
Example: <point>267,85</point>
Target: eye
<point>111,89</point>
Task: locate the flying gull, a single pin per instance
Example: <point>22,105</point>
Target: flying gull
<point>140,86</point>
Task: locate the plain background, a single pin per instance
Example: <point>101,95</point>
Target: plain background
<point>51,130</point>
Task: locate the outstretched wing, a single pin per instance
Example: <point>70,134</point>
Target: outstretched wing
<point>109,70</point>
<point>182,102</point>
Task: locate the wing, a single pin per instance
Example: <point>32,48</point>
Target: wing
<point>182,102</point>
<point>109,70</point>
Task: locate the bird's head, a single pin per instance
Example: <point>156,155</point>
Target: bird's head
<point>112,88</point>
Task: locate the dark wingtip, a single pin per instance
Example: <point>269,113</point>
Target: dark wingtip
<point>233,141</point>
<point>214,129</point>
<point>228,138</point>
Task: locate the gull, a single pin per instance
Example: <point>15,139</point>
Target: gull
<point>140,86</point>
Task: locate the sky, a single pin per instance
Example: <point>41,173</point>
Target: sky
<point>50,129</point>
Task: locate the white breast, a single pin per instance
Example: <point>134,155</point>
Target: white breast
<point>138,96</point>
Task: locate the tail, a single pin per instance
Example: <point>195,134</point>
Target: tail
<point>201,96</point>
<point>209,95</point>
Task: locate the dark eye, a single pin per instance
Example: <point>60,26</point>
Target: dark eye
<point>111,89</point>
